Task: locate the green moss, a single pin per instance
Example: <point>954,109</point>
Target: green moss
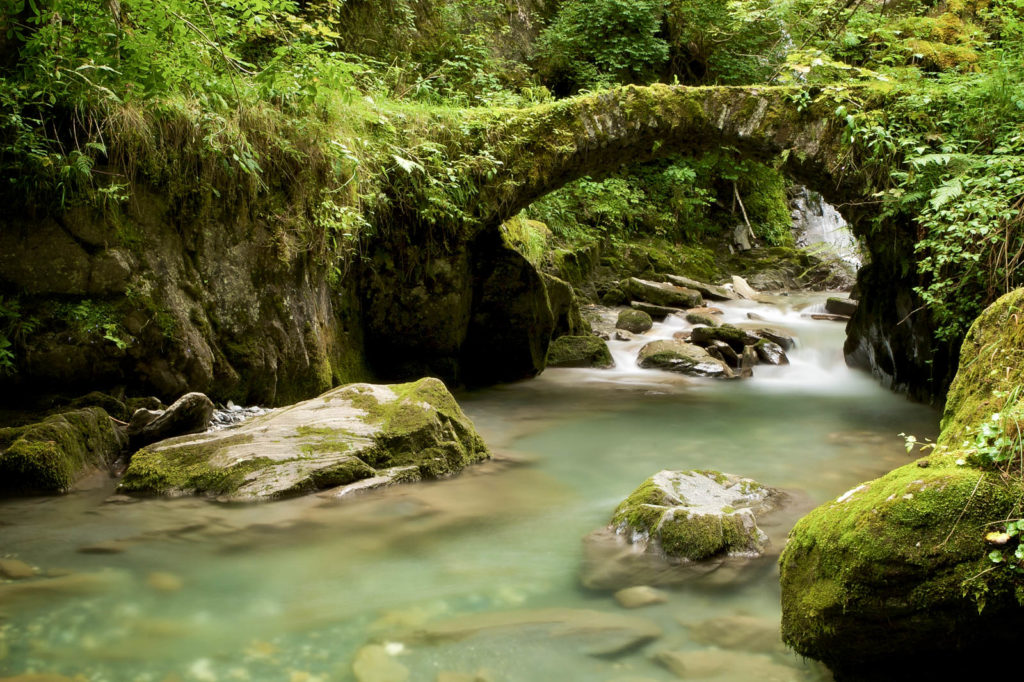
<point>579,351</point>
<point>175,466</point>
<point>49,456</point>
<point>702,319</point>
<point>636,321</point>
<point>700,536</point>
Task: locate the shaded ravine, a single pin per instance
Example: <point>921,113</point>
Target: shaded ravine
<point>186,588</point>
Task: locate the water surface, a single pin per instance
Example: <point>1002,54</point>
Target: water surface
<point>187,589</point>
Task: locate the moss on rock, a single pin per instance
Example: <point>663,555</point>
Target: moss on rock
<point>579,351</point>
<point>49,456</point>
<point>352,433</point>
<point>895,573</point>
<point>635,321</point>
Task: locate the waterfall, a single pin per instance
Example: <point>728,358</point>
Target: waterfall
<point>818,226</point>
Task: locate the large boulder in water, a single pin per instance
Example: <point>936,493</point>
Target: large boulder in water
<point>914,573</point>
<point>679,525</point>
<point>662,293</point>
<point>678,356</point>
<point>345,437</point>
<point>49,456</point>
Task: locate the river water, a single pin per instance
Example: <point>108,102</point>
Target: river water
<point>477,577</point>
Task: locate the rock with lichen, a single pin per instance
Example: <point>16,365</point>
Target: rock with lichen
<point>353,438</point>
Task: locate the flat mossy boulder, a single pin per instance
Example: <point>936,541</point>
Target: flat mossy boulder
<point>675,355</point>
<point>579,351</point>
<point>896,573</point>
<point>735,337</point>
<point>681,525</point>
<point>49,456</point>
<point>708,291</point>
<point>635,321</point>
<point>661,293</point>
<point>352,434</point>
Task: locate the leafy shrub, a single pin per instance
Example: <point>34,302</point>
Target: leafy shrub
<point>595,43</point>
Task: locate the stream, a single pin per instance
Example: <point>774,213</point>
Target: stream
<point>473,578</point>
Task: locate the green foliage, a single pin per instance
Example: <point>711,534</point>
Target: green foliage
<point>90,320</point>
<point>720,41</point>
<point>15,328</point>
<point>597,43</point>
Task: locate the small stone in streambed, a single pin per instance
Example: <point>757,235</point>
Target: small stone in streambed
<point>478,676</point>
<point>121,499</point>
<point>634,321</point>
<point>15,569</point>
<point>682,336</point>
<point>747,362</point>
<point>706,310</point>
<point>840,306</point>
<point>699,318</point>
<point>756,317</point>
<point>162,581</point>
<point>748,633</point>
<point>640,596</point>
<point>106,547</point>
<point>733,665</point>
<point>725,353</point>
<point>191,413</point>
<point>623,335</point>
<point>827,317</point>
<point>657,312</point>
<point>684,358</point>
<point>374,664</point>
<point>771,353</point>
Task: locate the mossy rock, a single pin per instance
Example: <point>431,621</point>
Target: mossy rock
<point>701,319</point>
<point>635,321</point>
<point>346,435</point>
<point>662,293</point>
<point>579,351</point>
<point>735,337</point>
<point>49,456</point>
<point>895,574</point>
<point>696,515</point>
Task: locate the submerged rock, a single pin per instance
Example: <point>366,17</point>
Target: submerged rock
<point>596,633</point>
<point>685,358</point>
<point>191,413</point>
<point>579,351</point>
<point>635,321</point>
<point>349,435</point>
<point>639,596</point>
<point>662,293</point>
<point>775,334</point>
<point>51,455</point>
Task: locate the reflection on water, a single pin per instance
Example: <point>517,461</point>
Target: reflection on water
<point>477,575</point>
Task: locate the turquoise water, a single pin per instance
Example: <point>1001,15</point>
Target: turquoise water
<point>478,575</point>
